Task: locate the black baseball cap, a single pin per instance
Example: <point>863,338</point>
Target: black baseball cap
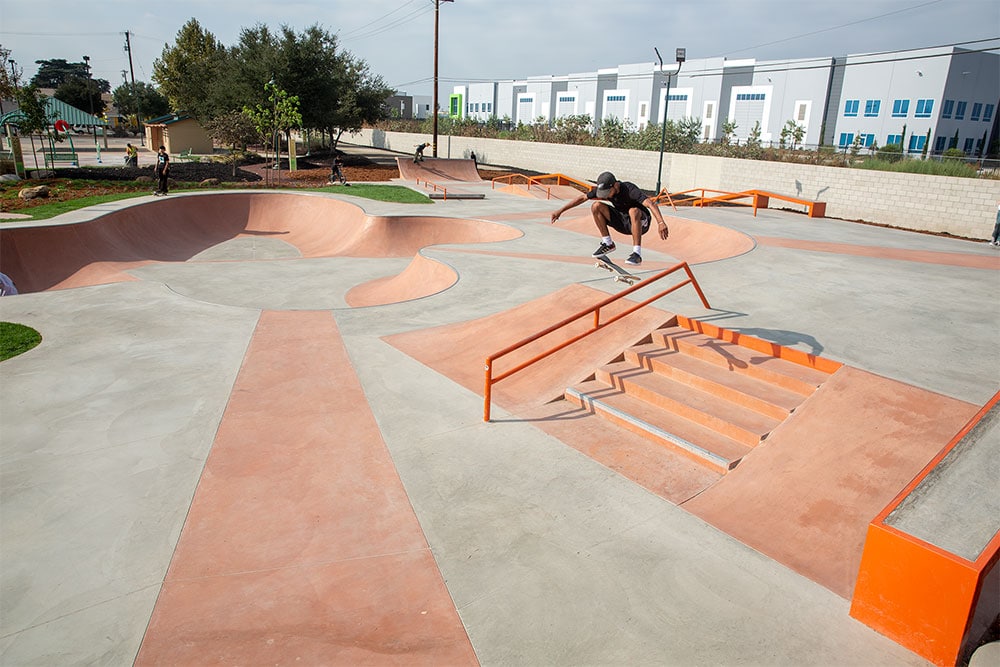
<point>605,182</point>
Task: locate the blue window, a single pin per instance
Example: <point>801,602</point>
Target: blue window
<point>900,108</point>
<point>851,108</point>
<point>917,143</point>
<point>947,108</point>
<point>924,108</point>
<point>872,107</point>
<point>867,140</point>
<point>846,139</point>
<point>746,97</point>
<point>988,114</point>
<point>567,99</point>
<point>678,98</point>
<point>616,98</point>
<point>977,108</point>
<point>960,110</point>
<point>968,145</point>
<point>940,143</point>
<point>893,139</point>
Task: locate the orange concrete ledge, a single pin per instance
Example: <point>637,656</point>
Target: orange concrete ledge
<point>921,596</point>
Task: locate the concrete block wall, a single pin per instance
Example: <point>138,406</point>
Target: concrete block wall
<point>962,207</point>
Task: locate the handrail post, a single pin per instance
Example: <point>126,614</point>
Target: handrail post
<point>697,287</point>
<point>488,391</point>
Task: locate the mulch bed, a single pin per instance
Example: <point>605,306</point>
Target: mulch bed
<point>311,172</point>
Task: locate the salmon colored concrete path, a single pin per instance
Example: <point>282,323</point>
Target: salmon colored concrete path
<point>301,545</point>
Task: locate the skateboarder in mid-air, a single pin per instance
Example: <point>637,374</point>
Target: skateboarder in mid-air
<point>623,207</point>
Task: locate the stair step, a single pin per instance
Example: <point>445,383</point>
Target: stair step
<point>701,444</point>
<point>786,374</point>
<point>754,393</point>
<point>730,419</point>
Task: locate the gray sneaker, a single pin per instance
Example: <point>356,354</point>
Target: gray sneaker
<point>635,259</point>
<point>604,249</point>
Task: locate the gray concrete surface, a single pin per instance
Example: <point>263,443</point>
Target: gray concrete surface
<point>551,558</point>
<point>957,506</point>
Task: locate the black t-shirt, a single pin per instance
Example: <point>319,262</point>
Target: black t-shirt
<point>162,160</point>
<point>629,196</point>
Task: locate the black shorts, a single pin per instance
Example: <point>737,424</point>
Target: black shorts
<point>623,223</point>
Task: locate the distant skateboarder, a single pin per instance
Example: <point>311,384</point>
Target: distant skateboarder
<point>162,170</point>
<point>419,155</point>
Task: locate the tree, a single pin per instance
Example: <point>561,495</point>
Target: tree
<point>280,114</point>
<point>792,132</point>
<point>728,130</point>
<point>56,72</point>
<point>141,98</point>
<point>8,79</point>
<point>34,117</point>
<point>82,93</point>
<point>234,129</point>
<point>188,73</point>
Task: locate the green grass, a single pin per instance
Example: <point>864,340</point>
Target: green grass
<point>387,193</point>
<point>929,167</point>
<point>16,339</point>
<point>45,211</point>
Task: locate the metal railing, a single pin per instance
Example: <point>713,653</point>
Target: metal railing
<point>433,185</point>
<point>540,181</point>
<point>597,326</point>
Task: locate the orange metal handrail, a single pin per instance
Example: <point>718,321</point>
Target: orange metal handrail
<point>433,185</point>
<point>598,325</point>
<point>561,179</point>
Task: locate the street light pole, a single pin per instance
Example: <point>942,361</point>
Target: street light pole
<point>681,57</point>
<point>437,13</point>
<point>90,98</point>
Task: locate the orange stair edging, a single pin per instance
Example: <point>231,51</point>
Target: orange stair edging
<point>766,347</point>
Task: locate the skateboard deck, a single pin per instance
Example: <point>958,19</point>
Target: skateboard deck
<point>623,276</point>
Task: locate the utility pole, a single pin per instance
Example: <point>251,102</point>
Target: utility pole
<point>437,13</point>
<point>138,103</point>
<point>90,96</point>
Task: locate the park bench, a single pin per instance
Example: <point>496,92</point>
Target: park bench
<point>52,159</point>
<point>184,156</point>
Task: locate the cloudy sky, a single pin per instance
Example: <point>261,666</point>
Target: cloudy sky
<point>498,39</point>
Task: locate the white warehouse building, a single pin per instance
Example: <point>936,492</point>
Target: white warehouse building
<point>928,99</point>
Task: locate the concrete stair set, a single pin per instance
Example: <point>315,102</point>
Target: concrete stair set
<point>704,397</point>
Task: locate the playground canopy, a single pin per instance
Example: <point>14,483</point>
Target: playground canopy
<point>58,110</point>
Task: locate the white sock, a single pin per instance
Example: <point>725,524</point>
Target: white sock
<point>607,240</point>
<point>637,249</point>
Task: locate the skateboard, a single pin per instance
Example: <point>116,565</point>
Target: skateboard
<point>623,276</point>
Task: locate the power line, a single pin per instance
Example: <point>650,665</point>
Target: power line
<point>360,28</point>
<point>420,11</point>
<point>838,27</point>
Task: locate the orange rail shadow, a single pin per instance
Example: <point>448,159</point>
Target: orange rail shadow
<point>598,325</point>
<point>933,602</point>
